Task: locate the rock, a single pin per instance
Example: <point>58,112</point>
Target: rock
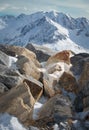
<point>4,59</point>
<point>56,106</point>
<point>84,77</point>
<point>86,102</point>
<point>77,62</point>
<point>19,101</point>
<point>17,50</point>
<point>27,67</point>
<point>68,82</point>
<point>63,56</point>
<point>79,125</point>
<point>10,81</point>
<point>33,128</point>
<point>53,68</point>
<point>85,89</point>
<point>48,87</point>
<point>52,76</point>
<point>78,103</point>
<point>80,67</point>
<point>3,68</point>
<point>55,111</point>
<point>3,88</point>
<point>42,53</point>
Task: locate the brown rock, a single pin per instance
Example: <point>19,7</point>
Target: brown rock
<point>68,82</point>
<point>27,67</point>
<point>19,101</point>
<point>16,50</point>
<point>63,56</point>
<point>48,89</point>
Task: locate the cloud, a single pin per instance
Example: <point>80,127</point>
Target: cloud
<point>4,7</point>
<point>15,8</point>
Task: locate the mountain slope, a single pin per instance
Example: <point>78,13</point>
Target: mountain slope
<point>55,30</point>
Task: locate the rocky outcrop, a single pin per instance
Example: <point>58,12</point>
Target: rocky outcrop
<point>42,53</point>
<point>19,100</point>
<point>63,56</point>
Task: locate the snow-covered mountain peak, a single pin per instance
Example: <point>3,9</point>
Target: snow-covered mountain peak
<point>45,28</point>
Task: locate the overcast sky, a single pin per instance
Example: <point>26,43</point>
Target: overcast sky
<point>75,8</point>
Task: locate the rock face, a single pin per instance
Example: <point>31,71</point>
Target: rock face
<point>41,53</point>
<point>63,56</point>
<point>19,100</point>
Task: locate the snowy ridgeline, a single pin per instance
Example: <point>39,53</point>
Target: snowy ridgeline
<point>55,30</point>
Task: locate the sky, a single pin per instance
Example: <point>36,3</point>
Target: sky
<point>75,8</point>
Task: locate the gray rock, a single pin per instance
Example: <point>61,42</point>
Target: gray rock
<point>77,62</point>
<point>42,54</point>
<point>4,59</point>
<point>3,88</point>
<point>78,103</point>
<point>33,128</point>
<point>10,81</point>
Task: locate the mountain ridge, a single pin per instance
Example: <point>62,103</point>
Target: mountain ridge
<point>45,28</point>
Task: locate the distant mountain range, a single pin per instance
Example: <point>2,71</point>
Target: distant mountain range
<point>52,29</point>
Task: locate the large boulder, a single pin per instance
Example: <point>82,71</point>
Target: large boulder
<point>19,101</point>
<point>27,67</point>
<point>57,110</point>
<point>17,51</point>
<point>77,62</point>
<point>63,56</point>
<point>58,104</point>
<point>42,53</point>
<point>4,59</point>
<point>68,82</point>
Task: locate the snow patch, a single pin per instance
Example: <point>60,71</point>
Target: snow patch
<point>8,122</point>
<point>12,61</point>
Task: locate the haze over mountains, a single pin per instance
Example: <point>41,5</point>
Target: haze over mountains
<point>55,30</point>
